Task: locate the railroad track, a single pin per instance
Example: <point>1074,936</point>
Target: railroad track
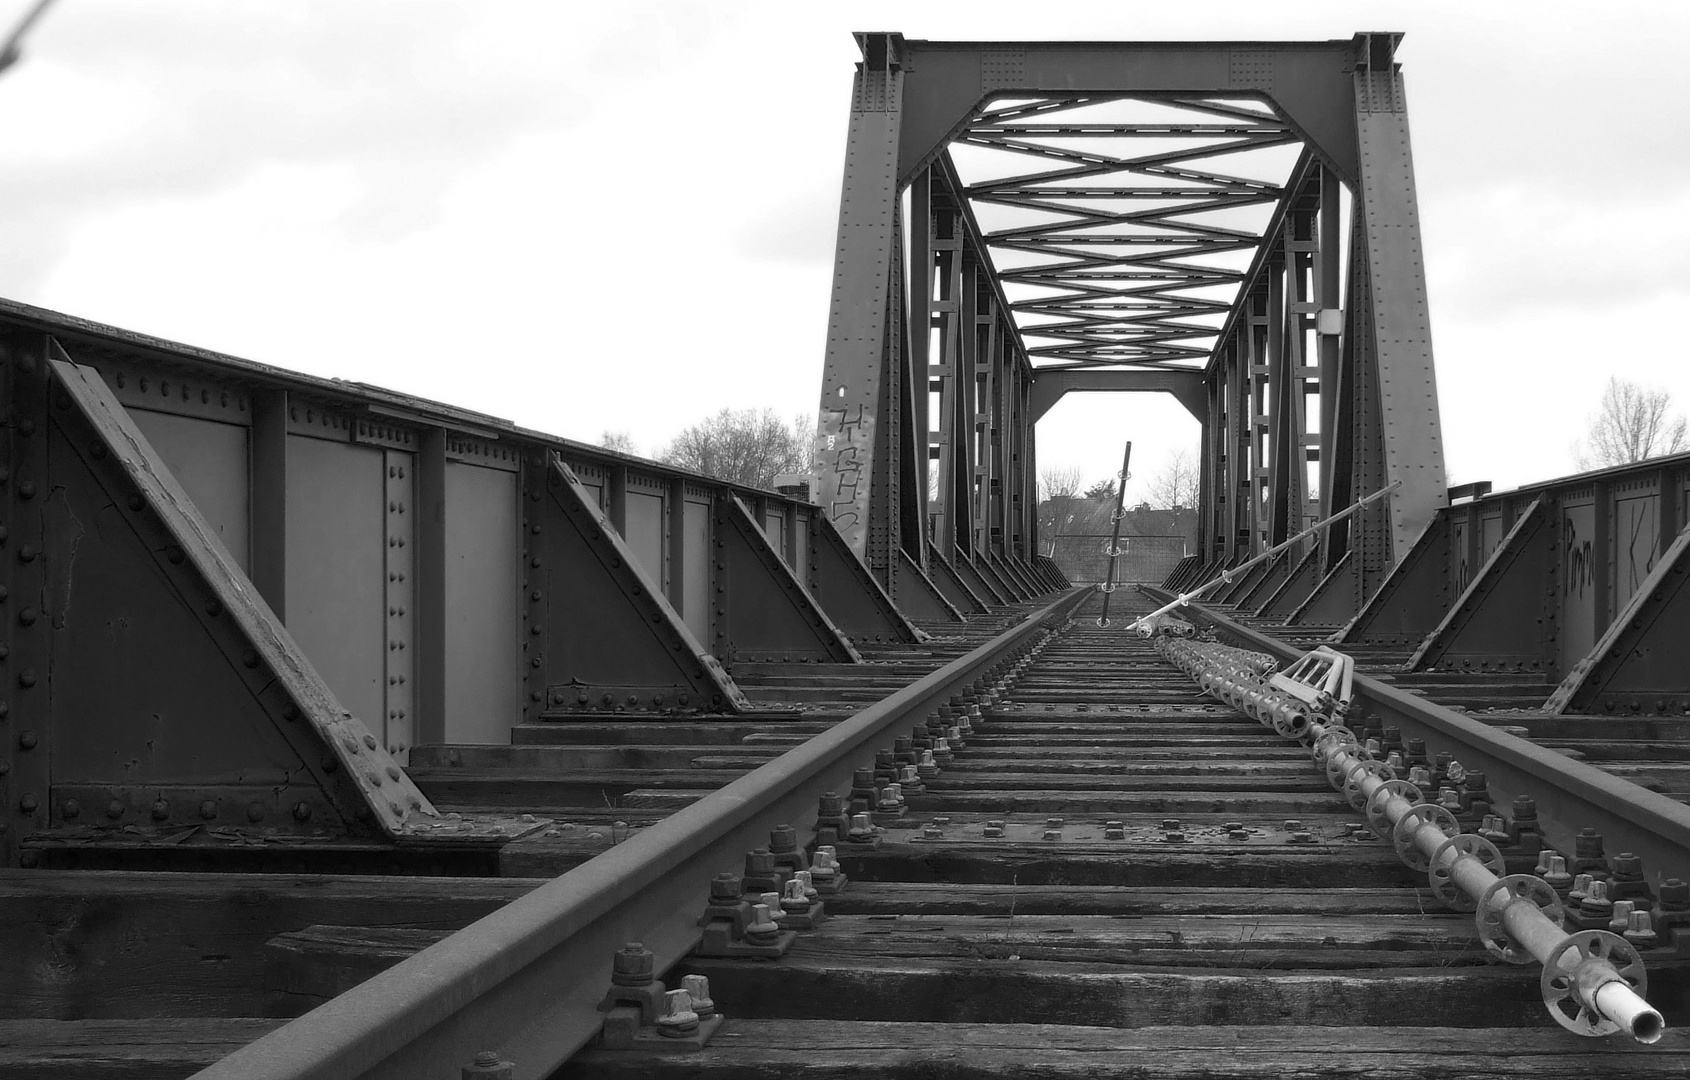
<point>1114,876</point>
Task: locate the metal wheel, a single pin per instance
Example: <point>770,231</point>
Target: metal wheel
<point>1441,872</point>
<point>1352,782</point>
<point>1560,971</point>
<point>1377,820</point>
<point>1489,916</point>
<point>1402,837</point>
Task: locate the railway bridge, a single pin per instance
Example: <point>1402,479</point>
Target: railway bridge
<point>347,734</point>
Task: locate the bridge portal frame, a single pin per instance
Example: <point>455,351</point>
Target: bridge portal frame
<point>929,396</point>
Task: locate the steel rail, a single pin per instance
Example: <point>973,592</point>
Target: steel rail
<point>1570,795</point>
<point>526,980</point>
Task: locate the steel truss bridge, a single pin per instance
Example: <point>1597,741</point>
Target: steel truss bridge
<point>353,735</point>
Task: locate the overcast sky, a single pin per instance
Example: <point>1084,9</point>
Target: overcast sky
<point>589,216</point>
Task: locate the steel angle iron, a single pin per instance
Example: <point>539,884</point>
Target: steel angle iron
<point>1593,981</point>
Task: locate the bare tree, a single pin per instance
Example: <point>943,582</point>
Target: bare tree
<point>619,441</point>
<point>1631,425</point>
<point>743,446</point>
<point>1176,486</point>
<point>1059,482</point>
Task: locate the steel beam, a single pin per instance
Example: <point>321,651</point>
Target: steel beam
<point>1186,386</point>
<point>170,695</point>
<point>601,636</point>
<point>845,589</point>
<point>1414,597</point>
<point>762,611</point>
<point>1507,618</point>
<point>1637,665</point>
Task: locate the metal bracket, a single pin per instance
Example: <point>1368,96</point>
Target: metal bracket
<point>761,610</point>
<point>1506,619</point>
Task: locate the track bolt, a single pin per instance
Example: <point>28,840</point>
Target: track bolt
<point>632,965</point>
<point>1053,834</point>
<point>793,899</point>
<point>678,1019</point>
<point>806,885</point>
<point>762,930</point>
<point>932,832</point>
<point>928,768</point>
<point>1174,837</point>
<point>1556,877</point>
<point>1113,830</point>
<point>1238,834</point>
<point>487,1066</point>
<point>1053,823</point>
<point>862,829</point>
<point>698,987</point>
<point>825,866</point>
<point>771,900</point>
<point>1302,837</point>
<point>1293,825</point>
<point>1640,930</point>
<point>1580,889</point>
<point>1621,920</point>
<point>1170,824</point>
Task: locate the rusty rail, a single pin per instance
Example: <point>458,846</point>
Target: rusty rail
<point>526,980</point>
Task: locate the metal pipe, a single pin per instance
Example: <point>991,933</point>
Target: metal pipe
<point>1596,981</point>
<point>1227,575</point>
<point>1592,978</point>
<point>1115,540</point>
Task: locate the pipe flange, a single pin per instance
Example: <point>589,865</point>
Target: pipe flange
<point>1377,819</point>
<point>1441,873</point>
<point>1336,769</point>
<point>1360,772</point>
<point>1334,736</point>
<point>1402,836</point>
<point>1492,930</point>
<point>1290,720</point>
<point>1560,978</point>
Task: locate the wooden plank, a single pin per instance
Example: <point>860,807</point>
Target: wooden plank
<point>129,945</point>
<point>783,1049</point>
<point>152,1049</point>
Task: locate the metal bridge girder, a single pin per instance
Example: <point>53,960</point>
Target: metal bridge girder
<point>157,688</point>
<point>604,638</point>
<point>1507,618</point>
<point>1637,665</point>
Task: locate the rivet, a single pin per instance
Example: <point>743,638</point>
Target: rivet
<point>161,810</point>
<point>249,658</point>
<point>136,502</point>
<point>370,741</point>
<point>27,740</point>
<point>208,810</point>
<point>255,812</point>
<point>27,616</point>
<point>393,772</point>
<point>29,803</point>
<point>27,553</point>
<point>114,809</point>
<point>214,607</point>
<point>536,629</point>
<point>70,809</point>
<point>26,489</point>
<point>26,679</point>
<point>302,811</point>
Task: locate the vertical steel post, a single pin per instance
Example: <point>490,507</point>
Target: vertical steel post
<point>1115,537</point>
<point>862,319</point>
